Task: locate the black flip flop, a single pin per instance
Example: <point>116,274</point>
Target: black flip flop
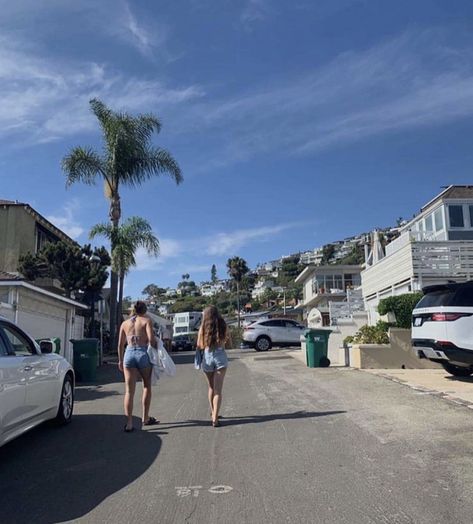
<point>128,430</point>
<point>151,422</point>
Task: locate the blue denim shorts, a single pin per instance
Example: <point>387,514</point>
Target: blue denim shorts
<point>136,357</point>
<point>214,359</point>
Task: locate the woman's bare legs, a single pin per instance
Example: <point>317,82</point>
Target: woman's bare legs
<point>131,374</point>
<point>146,399</point>
<point>219,375</point>
<point>210,380</point>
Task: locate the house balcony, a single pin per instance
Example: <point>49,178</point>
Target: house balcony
<point>418,263</point>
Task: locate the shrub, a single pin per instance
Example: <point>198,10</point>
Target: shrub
<point>377,334</point>
<point>236,336</point>
<point>401,306</point>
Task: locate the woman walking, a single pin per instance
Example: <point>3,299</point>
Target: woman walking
<point>211,340</point>
<point>136,334</point>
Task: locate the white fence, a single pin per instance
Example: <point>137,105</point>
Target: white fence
<point>420,261</point>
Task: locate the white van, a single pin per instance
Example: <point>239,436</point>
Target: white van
<point>442,327</point>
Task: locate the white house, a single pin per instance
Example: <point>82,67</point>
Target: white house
<point>188,322</point>
<point>40,312</point>
<point>434,247</point>
<point>325,284</point>
<point>213,288</point>
<point>262,285</point>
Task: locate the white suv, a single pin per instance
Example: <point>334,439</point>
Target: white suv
<point>263,334</point>
<point>442,327</point>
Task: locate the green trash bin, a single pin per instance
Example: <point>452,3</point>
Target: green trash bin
<point>317,348</point>
<point>86,358</point>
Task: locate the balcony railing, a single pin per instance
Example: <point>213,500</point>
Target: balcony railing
<point>420,261</point>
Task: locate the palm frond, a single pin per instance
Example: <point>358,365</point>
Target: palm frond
<point>82,165</point>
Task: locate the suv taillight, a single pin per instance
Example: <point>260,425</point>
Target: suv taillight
<point>448,317</point>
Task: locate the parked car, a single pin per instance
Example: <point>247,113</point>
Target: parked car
<point>442,327</point>
<point>182,343</point>
<point>264,334</point>
<point>35,385</point>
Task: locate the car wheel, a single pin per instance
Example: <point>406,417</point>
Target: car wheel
<point>66,403</point>
<point>457,371</point>
<point>262,344</point>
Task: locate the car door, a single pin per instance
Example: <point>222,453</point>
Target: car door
<point>13,411</point>
<point>40,372</point>
<point>276,330</point>
<point>293,332</point>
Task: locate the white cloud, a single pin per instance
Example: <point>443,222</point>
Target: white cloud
<point>254,11</point>
<point>230,243</point>
<point>412,81</point>
<point>44,99</point>
<point>168,248</point>
<point>66,221</point>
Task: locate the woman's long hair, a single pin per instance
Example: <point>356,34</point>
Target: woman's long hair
<point>213,331</point>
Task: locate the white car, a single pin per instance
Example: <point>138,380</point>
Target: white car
<point>34,386</point>
<point>264,334</point>
<point>442,327</point>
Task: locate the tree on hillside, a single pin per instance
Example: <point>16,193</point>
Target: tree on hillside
<point>128,159</point>
<point>153,292</point>
<point>237,269</point>
<point>134,233</point>
<point>213,274</point>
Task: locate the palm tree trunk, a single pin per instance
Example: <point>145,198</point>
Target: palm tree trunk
<point>238,302</point>
<point>120,298</point>
<point>115,213</point>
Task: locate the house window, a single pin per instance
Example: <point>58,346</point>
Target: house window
<point>438,219</point>
<point>455,216</point>
<point>43,236</point>
<point>470,208</point>
<point>429,223</point>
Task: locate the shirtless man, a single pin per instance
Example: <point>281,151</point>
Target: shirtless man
<point>136,334</point>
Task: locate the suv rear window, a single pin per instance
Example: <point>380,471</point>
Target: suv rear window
<point>462,296</point>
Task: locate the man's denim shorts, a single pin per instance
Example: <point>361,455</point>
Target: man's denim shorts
<point>136,357</point>
<point>214,359</point>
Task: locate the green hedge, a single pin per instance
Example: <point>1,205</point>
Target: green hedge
<point>401,306</point>
<point>377,334</point>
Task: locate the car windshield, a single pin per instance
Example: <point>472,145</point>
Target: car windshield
<point>461,296</point>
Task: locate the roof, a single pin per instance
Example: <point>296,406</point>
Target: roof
<point>40,218</point>
<point>451,192</point>
<point>334,268</point>
<point>9,276</point>
<point>8,281</point>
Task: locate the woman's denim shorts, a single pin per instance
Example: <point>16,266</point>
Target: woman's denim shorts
<point>136,357</point>
<point>214,359</point>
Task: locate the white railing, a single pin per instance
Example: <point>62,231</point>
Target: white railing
<point>450,259</point>
<point>427,260</point>
<point>410,236</point>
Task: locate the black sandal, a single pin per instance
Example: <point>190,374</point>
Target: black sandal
<point>128,430</point>
<point>151,422</point>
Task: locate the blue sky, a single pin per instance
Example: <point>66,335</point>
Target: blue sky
<point>295,123</point>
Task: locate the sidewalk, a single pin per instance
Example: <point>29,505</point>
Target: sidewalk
<point>431,382</point>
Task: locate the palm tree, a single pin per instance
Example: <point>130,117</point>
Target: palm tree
<point>128,159</point>
<point>237,269</point>
<point>126,238</point>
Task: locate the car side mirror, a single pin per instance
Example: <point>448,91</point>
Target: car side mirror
<point>46,346</point>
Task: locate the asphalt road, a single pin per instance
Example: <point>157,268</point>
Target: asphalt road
<point>297,446</point>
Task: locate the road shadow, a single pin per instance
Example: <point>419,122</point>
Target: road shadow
<point>183,358</point>
<point>459,379</point>
<point>251,419</point>
<point>55,474</point>
<point>106,374</point>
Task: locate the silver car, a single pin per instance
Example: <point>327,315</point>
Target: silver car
<point>35,386</point>
<point>264,334</point>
